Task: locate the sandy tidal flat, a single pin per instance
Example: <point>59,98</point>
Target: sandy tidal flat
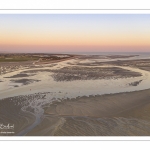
<point>71,98</point>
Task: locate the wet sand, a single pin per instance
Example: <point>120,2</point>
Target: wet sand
<point>110,115</point>
<point>77,103</point>
<point>25,81</point>
<point>92,73</point>
<point>102,115</point>
<point>143,64</point>
<point>19,75</point>
<point>11,113</point>
<point>99,106</point>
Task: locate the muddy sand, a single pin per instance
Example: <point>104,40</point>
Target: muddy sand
<point>72,73</point>
<point>115,114</point>
<point>109,115</point>
<point>143,64</point>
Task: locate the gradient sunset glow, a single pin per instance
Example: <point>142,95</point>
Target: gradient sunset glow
<point>74,33</point>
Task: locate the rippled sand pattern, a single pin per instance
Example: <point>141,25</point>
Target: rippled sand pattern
<point>76,126</point>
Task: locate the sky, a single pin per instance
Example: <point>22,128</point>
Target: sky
<point>52,33</point>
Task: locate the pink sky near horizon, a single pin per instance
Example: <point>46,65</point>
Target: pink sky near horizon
<point>75,33</point>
